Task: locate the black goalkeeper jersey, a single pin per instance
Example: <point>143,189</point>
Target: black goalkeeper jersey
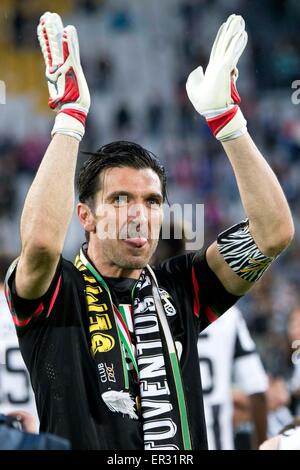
<point>54,342</point>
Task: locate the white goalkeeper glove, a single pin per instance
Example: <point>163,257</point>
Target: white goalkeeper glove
<point>214,94</point>
<point>68,90</point>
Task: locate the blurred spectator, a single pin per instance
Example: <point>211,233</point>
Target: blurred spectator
<point>184,171</point>
<point>285,63</point>
<point>121,20</point>
<point>89,6</point>
<point>293,332</point>
<point>103,74</point>
<point>17,432</point>
<point>185,111</point>
<point>123,119</point>
<point>155,116</point>
<point>8,169</point>
<point>24,20</point>
<point>278,404</point>
<point>30,153</point>
<point>19,23</point>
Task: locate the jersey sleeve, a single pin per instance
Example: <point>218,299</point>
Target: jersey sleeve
<point>209,297</point>
<point>248,371</point>
<point>290,440</point>
<point>244,344</point>
<point>27,312</point>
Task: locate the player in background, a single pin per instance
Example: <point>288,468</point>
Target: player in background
<point>284,392</point>
<point>287,439</point>
<point>284,385</point>
<point>228,355</point>
<point>18,415</point>
<point>15,388</point>
<point>293,333</point>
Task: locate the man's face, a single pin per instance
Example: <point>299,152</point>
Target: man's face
<point>128,212</point>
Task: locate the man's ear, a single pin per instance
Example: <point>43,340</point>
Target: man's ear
<point>86,217</point>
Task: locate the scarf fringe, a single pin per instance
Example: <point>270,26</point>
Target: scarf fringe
<point>120,402</point>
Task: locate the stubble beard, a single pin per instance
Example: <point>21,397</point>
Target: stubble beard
<point>127,261</point>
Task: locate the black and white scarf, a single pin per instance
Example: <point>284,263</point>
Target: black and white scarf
<point>163,405</point>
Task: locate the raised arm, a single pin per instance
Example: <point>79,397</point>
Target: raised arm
<point>49,203</point>
<point>241,255</point>
<point>270,220</point>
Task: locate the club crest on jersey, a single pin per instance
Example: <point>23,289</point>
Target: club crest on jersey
<point>166,301</point>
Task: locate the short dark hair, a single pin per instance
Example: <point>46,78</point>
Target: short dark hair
<point>115,154</point>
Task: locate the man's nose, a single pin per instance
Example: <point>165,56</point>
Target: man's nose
<point>138,214</point>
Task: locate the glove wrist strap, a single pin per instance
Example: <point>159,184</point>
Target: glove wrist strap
<point>70,122</point>
<point>227,125</point>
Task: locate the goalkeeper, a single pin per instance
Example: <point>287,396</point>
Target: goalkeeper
<point>110,343</point>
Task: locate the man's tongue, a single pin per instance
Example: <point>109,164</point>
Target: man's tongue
<point>136,242</point>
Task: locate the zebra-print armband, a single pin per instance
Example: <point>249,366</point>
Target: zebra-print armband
<point>239,250</point>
